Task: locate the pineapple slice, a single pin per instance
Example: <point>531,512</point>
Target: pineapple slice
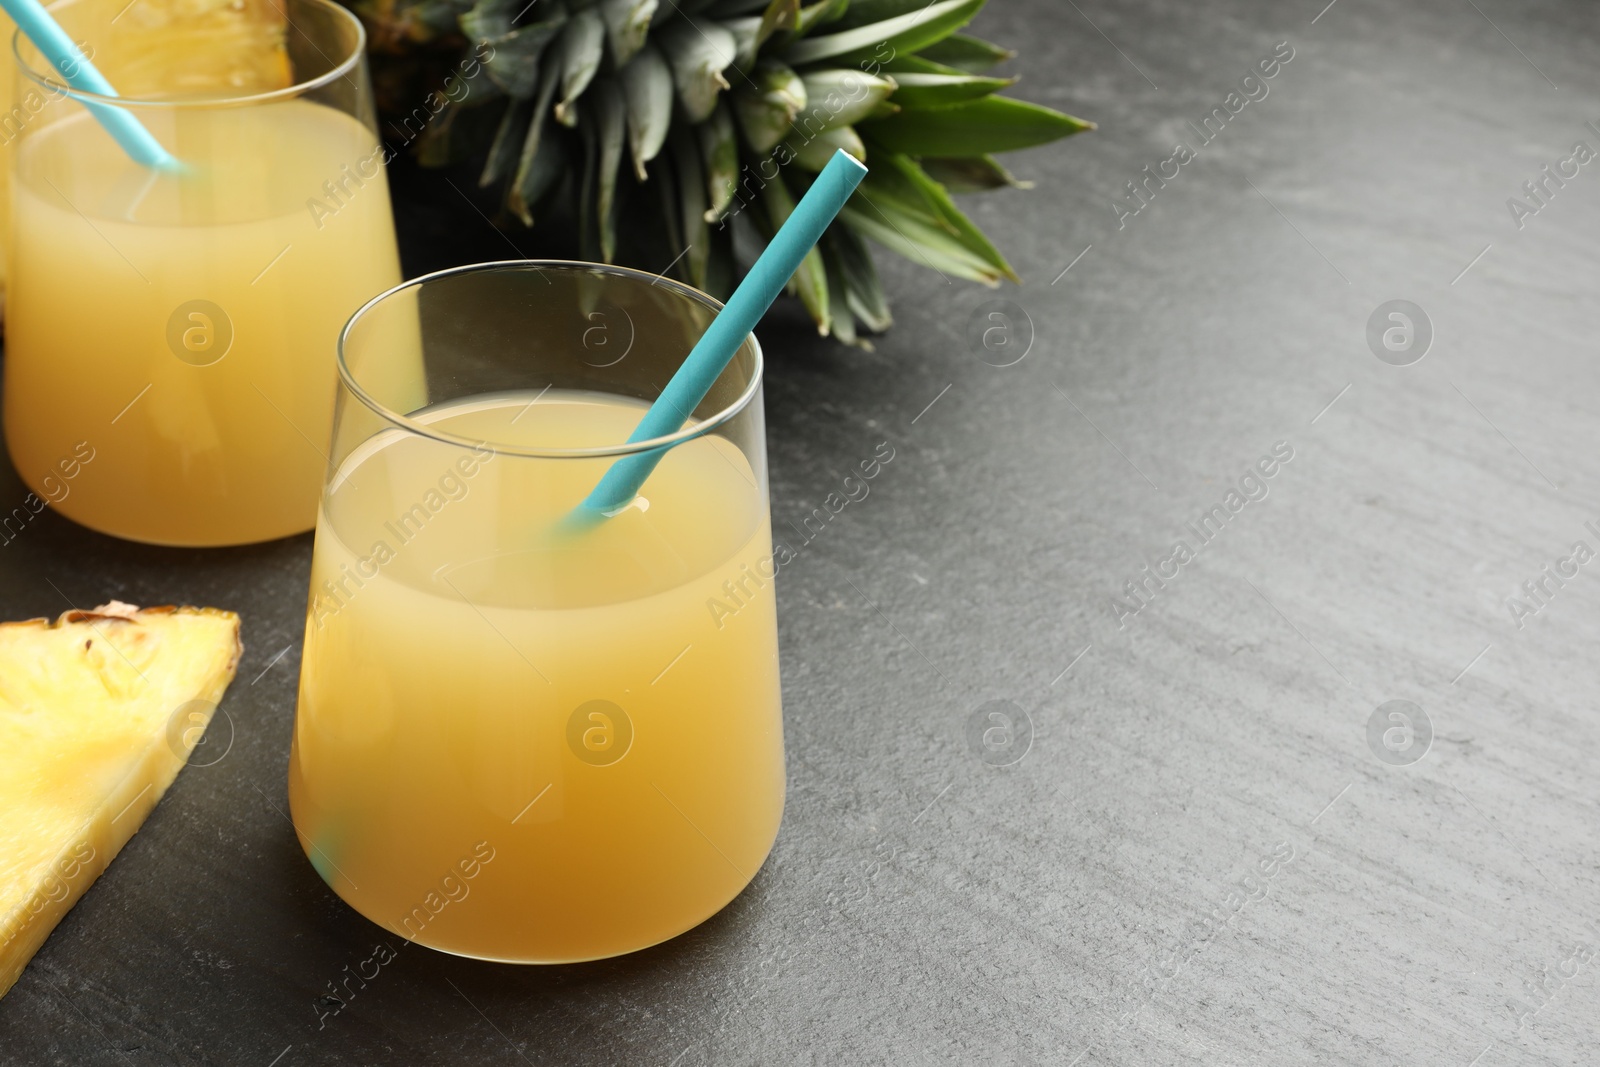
<point>98,711</point>
<point>198,48</point>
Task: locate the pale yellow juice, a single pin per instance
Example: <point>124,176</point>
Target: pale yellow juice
<point>184,326</point>
<point>161,47</point>
<point>452,776</point>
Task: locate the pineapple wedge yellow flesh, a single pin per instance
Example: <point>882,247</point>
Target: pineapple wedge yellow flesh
<point>98,711</point>
<point>197,48</point>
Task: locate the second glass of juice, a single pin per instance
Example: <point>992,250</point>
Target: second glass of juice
<point>516,740</point>
<point>169,371</point>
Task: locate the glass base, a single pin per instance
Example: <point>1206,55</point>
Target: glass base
<point>552,961</point>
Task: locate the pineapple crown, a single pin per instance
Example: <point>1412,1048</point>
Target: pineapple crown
<point>682,132</point>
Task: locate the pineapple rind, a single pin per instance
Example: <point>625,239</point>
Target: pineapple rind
<point>88,745</point>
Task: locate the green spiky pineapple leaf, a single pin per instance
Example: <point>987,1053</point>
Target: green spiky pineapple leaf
<point>719,152</point>
<point>691,205</point>
<point>916,64</point>
<point>507,142</point>
<point>915,239</point>
<point>971,174</point>
<point>863,292</point>
<point>922,91</point>
<point>841,323</point>
<point>627,26</point>
<point>871,12</point>
<point>835,97</point>
<point>524,184</point>
<point>768,103</point>
<point>810,281</point>
<point>647,88</point>
<point>917,182</point>
<point>489,19</point>
<point>514,63</point>
<point>747,42</point>
<point>977,127</point>
<point>779,15</point>
<point>815,16</point>
<point>580,50</point>
<point>967,53</point>
<point>698,56</point>
<point>813,153</point>
<point>612,117</point>
<point>903,33</point>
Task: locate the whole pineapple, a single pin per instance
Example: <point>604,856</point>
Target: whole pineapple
<point>678,134</point>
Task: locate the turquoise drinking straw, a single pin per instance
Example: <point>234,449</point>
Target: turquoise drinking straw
<point>723,337</point>
<point>70,62</point>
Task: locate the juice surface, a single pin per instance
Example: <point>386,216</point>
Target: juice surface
<point>451,777</point>
<point>184,326</point>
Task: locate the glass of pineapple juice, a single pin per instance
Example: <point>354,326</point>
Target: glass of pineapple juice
<point>513,742</point>
<point>183,325</point>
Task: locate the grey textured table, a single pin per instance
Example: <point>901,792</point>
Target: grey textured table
<point>1203,853</point>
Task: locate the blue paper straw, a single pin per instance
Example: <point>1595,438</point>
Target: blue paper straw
<point>70,62</point>
<point>722,338</point>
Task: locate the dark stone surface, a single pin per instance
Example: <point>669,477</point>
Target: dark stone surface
<point>922,905</point>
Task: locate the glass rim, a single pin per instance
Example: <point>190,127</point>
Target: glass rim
<point>56,88</point>
<point>422,429</point>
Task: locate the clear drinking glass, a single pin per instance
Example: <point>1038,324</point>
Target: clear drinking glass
<point>170,336</point>
<point>514,741</point>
